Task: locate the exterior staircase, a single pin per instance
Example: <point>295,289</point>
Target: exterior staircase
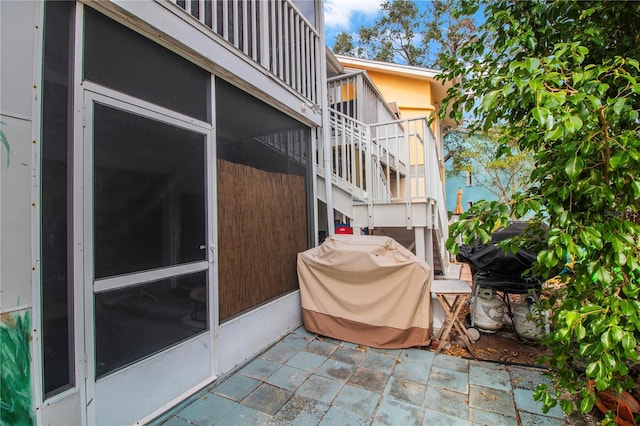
<point>385,174</point>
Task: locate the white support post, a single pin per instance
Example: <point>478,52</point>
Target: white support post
<point>418,233</point>
<point>326,134</point>
<point>424,246</point>
<point>367,148</point>
<point>428,243</point>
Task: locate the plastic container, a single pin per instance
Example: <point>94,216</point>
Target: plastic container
<point>528,322</point>
<point>343,228</point>
<point>487,311</point>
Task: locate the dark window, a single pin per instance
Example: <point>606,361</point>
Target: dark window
<point>121,59</point>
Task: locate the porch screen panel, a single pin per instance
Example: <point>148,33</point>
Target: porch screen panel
<point>149,194</point>
<point>263,205</point>
<point>56,201</point>
<point>112,59</point>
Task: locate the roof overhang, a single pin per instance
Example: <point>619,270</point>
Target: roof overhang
<point>389,68</point>
<point>438,87</point>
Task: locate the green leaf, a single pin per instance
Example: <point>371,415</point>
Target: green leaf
<point>617,159</point>
<point>489,100</point>
<point>577,122</point>
<point>532,64</point>
<point>619,106</point>
<point>484,235</point>
<point>590,308</point>
<point>578,77</point>
<point>617,333</point>
<point>540,114</point>
<point>581,332</point>
<point>593,369</point>
<point>567,406</point>
<point>619,258</point>
<point>609,361</point>
<point>607,343</point>
<point>627,307</point>
<point>555,134</point>
<point>628,342</point>
<point>563,333</point>
<point>596,103</point>
<point>574,167</point>
<point>587,403</point>
<point>572,318</point>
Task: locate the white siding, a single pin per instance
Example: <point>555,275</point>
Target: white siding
<point>17,38</point>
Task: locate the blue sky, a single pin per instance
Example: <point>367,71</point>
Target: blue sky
<point>350,15</point>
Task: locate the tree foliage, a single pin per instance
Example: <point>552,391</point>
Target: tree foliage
<point>562,79</point>
<point>393,36</point>
<point>344,45</point>
<point>408,34</point>
<point>447,31</point>
<point>476,154</point>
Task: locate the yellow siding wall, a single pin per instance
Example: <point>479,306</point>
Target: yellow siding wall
<point>412,96</point>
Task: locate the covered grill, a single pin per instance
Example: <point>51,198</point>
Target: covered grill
<point>506,273</point>
<point>368,290</point>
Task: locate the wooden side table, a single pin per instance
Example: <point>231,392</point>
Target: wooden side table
<point>459,291</point>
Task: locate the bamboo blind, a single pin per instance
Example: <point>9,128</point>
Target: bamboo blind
<point>262,226</point>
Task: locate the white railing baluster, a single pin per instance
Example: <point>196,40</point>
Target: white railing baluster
<point>317,63</point>
<point>245,27</point>
<point>336,150</point>
<point>201,11</point>
<point>304,75</point>
<point>359,99</point>
<point>298,47</point>
<point>355,142</point>
<point>271,32</point>
<point>236,24</point>
<point>264,35</point>
<point>390,161</point>
<point>281,32</point>
<point>286,48</point>
<point>225,19</point>
<point>214,15</point>
<point>343,152</point>
<point>254,29</point>
<point>308,62</point>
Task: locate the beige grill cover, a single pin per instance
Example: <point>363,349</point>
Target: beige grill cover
<point>367,290</point>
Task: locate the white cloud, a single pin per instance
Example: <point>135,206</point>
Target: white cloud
<point>339,13</point>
